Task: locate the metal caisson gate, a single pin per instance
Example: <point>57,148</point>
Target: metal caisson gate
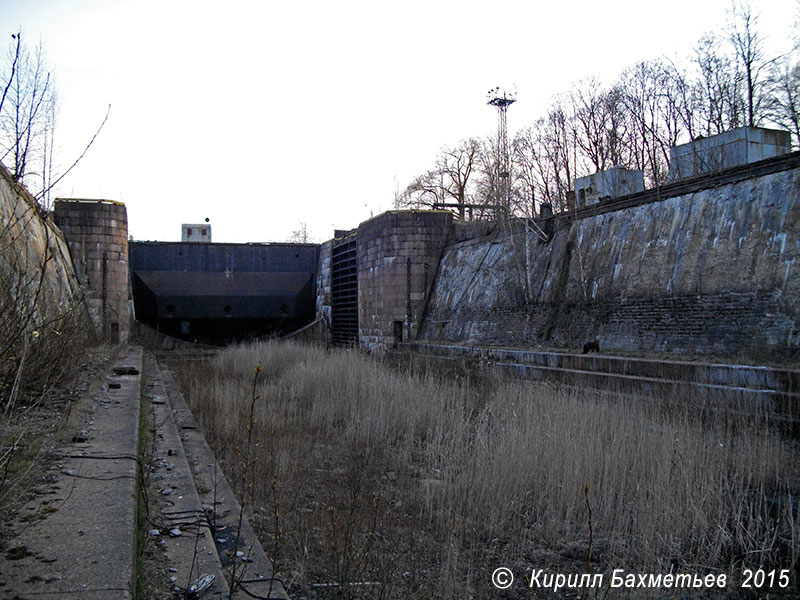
<point>344,293</point>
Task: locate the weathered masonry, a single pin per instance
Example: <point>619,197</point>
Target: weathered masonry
<point>702,266</point>
<point>398,256</point>
<point>199,291</point>
<point>373,282</point>
<point>97,234</point>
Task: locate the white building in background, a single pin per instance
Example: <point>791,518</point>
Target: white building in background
<point>733,148</point>
<point>196,232</point>
<point>611,183</point>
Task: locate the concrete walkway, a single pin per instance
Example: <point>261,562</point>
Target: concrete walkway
<point>177,519</point>
<point>81,542</point>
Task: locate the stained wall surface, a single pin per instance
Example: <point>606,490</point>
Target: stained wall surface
<point>37,279</point>
<point>398,255</point>
<point>323,284</point>
<point>713,271</point>
<point>97,232</point>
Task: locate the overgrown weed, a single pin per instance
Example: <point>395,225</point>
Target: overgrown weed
<point>405,483</point>
<point>43,339</point>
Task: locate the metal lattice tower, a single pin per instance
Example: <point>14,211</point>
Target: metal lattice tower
<point>501,100</point>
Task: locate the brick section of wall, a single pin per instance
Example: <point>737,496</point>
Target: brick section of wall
<point>712,271</point>
<point>398,257</point>
<point>719,324</point>
<point>97,235</point>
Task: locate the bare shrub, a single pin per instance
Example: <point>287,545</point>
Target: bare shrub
<point>43,328</point>
<point>399,483</point>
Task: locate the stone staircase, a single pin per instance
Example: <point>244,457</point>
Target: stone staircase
<point>765,388</point>
<point>196,508</point>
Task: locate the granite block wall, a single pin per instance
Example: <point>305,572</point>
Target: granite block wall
<point>97,234</point>
<point>38,284</point>
<point>323,286</point>
<point>713,271</point>
<point>398,255</point>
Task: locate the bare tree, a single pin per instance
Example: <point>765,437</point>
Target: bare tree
<point>424,191</point>
<point>27,115</point>
<point>650,101</point>
<point>534,173</point>
<point>590,121</point>
<point>748,47</point>
<point>449,181</point>
<point>726,83</point>
<point>14,59</point>
<point>682,98</point>
<point>563,150</point>
<point>542,161</point>
<point>783,97</point>
<point>600,124</point>
<point>720,87</point>
<point>300,235</point>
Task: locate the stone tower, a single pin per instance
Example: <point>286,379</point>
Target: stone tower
<point>97,234</point>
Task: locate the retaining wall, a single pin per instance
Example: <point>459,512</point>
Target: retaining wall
<point>38,284</point>
<point>713,271</point>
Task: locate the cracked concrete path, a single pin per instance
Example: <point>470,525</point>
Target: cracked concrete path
<point>80,540</point>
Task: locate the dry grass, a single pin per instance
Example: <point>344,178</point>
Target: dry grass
<point>419,485</point>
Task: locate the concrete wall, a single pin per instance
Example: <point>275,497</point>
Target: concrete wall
<point>398,254</point>
<point>38,284</point>
<point>97,232</point>
<point>714,271</point>
<point>221,292</point>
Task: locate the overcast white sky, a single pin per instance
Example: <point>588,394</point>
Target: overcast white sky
<point>263,114</point>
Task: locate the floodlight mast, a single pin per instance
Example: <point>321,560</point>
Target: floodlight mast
<point>501,100</point>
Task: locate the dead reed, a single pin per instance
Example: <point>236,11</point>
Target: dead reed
<point>397,483</point>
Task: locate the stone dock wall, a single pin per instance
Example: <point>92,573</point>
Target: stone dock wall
<point>398,255</point>
<point>712,271</point>
<point>38,284</point>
